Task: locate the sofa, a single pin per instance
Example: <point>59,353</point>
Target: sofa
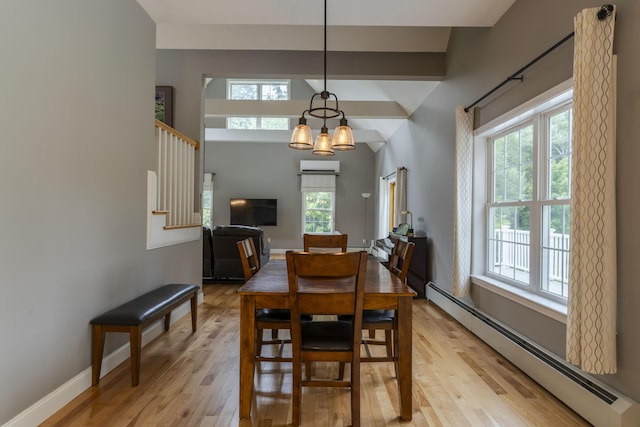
<point>221,260</point>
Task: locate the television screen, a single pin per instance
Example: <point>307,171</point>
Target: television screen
<point>254,212</point>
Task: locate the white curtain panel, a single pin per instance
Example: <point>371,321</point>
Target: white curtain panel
<point>462,187</point>
<point>591,319</point>
<point>400,197</point>
<point>383,203</point>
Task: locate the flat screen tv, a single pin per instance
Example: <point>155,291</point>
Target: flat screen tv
<point>254,212</point>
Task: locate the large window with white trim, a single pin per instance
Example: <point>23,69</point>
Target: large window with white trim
<point>528,198</point>
<point>258,90</point>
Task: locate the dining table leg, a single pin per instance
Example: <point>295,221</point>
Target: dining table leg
<point>247,352</point>
<point>405,347</point>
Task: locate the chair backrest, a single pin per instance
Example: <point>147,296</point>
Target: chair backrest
<point>401,258</point>
<point>337,242</point>
<point>327,283</point>
<point>249,257</point>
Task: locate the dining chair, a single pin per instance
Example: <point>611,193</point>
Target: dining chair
<point>326,284</point>
<point>325,241</point>
<point>373,320</point>
<point>385,320</point>
<point>266,318</point>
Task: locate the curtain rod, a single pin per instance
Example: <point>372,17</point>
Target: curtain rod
<point>394,172</point>
<point>605,11</point>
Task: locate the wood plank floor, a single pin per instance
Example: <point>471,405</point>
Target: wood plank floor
<point>192,380</point>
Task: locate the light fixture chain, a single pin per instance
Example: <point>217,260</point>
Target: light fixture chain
<point>342,140</point>
<point>325,48</point>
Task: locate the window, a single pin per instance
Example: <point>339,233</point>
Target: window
<point>207,200</point>
<point>318,203</point>
<point>264,90</point>
<point>528,173</point>
<point>318,211</point>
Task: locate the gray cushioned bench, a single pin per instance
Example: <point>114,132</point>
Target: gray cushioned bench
<point>133,317</point>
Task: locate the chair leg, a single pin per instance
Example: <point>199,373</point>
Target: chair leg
<point>296,392</point>
<point>341,371</point>
<point>355,394</point>
<point>307,371</point>
<point>388,342</point>
<point>259,333</point>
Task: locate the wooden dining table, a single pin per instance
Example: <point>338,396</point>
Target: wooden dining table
<point>269,288</point>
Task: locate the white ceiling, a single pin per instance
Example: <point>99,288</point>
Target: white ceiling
<point>401,13</point>
<point>353,25</point>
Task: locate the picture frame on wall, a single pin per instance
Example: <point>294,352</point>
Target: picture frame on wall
<point>164,104</point>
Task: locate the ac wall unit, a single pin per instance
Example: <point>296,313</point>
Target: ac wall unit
<point>320,166</point>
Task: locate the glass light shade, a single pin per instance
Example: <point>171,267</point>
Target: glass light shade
<point>301,138</point>
<point>343,138</point>
<point>322,147</point>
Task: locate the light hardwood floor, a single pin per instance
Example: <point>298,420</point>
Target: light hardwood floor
<point>192,380</point>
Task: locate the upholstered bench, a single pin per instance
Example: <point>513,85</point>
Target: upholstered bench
<point>133,317</point>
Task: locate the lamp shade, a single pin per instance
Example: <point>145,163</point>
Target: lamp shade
<point>322,147</point>
<point>343,138</point>
<point>301,138</point>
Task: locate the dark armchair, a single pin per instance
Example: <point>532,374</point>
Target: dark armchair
<point>225,259</point>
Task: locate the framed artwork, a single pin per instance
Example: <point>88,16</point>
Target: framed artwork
<point>164,104</point>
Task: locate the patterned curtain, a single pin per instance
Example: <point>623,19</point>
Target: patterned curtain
<point>463,180</point>
<point>400,197</point>
<point>591,320</point>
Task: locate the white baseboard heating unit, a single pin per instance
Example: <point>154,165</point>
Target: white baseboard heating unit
<point>594,401</point>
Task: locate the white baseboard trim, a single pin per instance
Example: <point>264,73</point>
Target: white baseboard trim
<point>54,401</point>
<point>596,402</point>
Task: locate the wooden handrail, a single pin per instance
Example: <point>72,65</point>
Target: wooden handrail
<point>171,130</point>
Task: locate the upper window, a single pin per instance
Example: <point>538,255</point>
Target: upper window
<point>528,175</point>
<point>262,90</point>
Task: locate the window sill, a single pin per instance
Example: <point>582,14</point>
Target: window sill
<point>534,302</point>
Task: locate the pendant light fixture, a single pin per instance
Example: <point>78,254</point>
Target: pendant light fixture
<point>301,139</point>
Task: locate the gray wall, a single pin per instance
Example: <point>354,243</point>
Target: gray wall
<point>478,59</point>
<point>77,82</point>
<point>270,170</point>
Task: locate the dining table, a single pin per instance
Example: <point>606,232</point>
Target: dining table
<point>269,288</point>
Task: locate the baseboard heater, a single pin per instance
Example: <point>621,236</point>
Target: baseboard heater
<point>594,401</point>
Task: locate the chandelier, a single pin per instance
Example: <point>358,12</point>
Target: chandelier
<point>301,139</point>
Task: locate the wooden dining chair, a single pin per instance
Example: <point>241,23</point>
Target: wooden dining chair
<point>385,320</point>
<point>373,320</point>
<point>266,318</point>
<point>326,284</point>
<point>337,242</point>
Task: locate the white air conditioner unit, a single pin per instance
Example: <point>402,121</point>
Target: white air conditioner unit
<point>320,166</point>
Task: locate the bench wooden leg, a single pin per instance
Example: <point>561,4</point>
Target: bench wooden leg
<point>194,312</point>
<point>135,342</point>
<point>97,348</point>
<point>167,321</point>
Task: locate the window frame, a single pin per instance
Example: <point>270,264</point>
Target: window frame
<point>305,209</point>
<point>534,111</point>
<point>260,83</point>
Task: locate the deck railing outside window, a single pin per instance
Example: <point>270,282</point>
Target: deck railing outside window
<point>511,249</point>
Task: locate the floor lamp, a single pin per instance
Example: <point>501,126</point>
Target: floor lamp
<point>365,196</point>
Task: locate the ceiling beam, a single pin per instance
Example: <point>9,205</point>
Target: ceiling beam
<point>302,37</point>
<point>289,64</point>
<point>294,108</point>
